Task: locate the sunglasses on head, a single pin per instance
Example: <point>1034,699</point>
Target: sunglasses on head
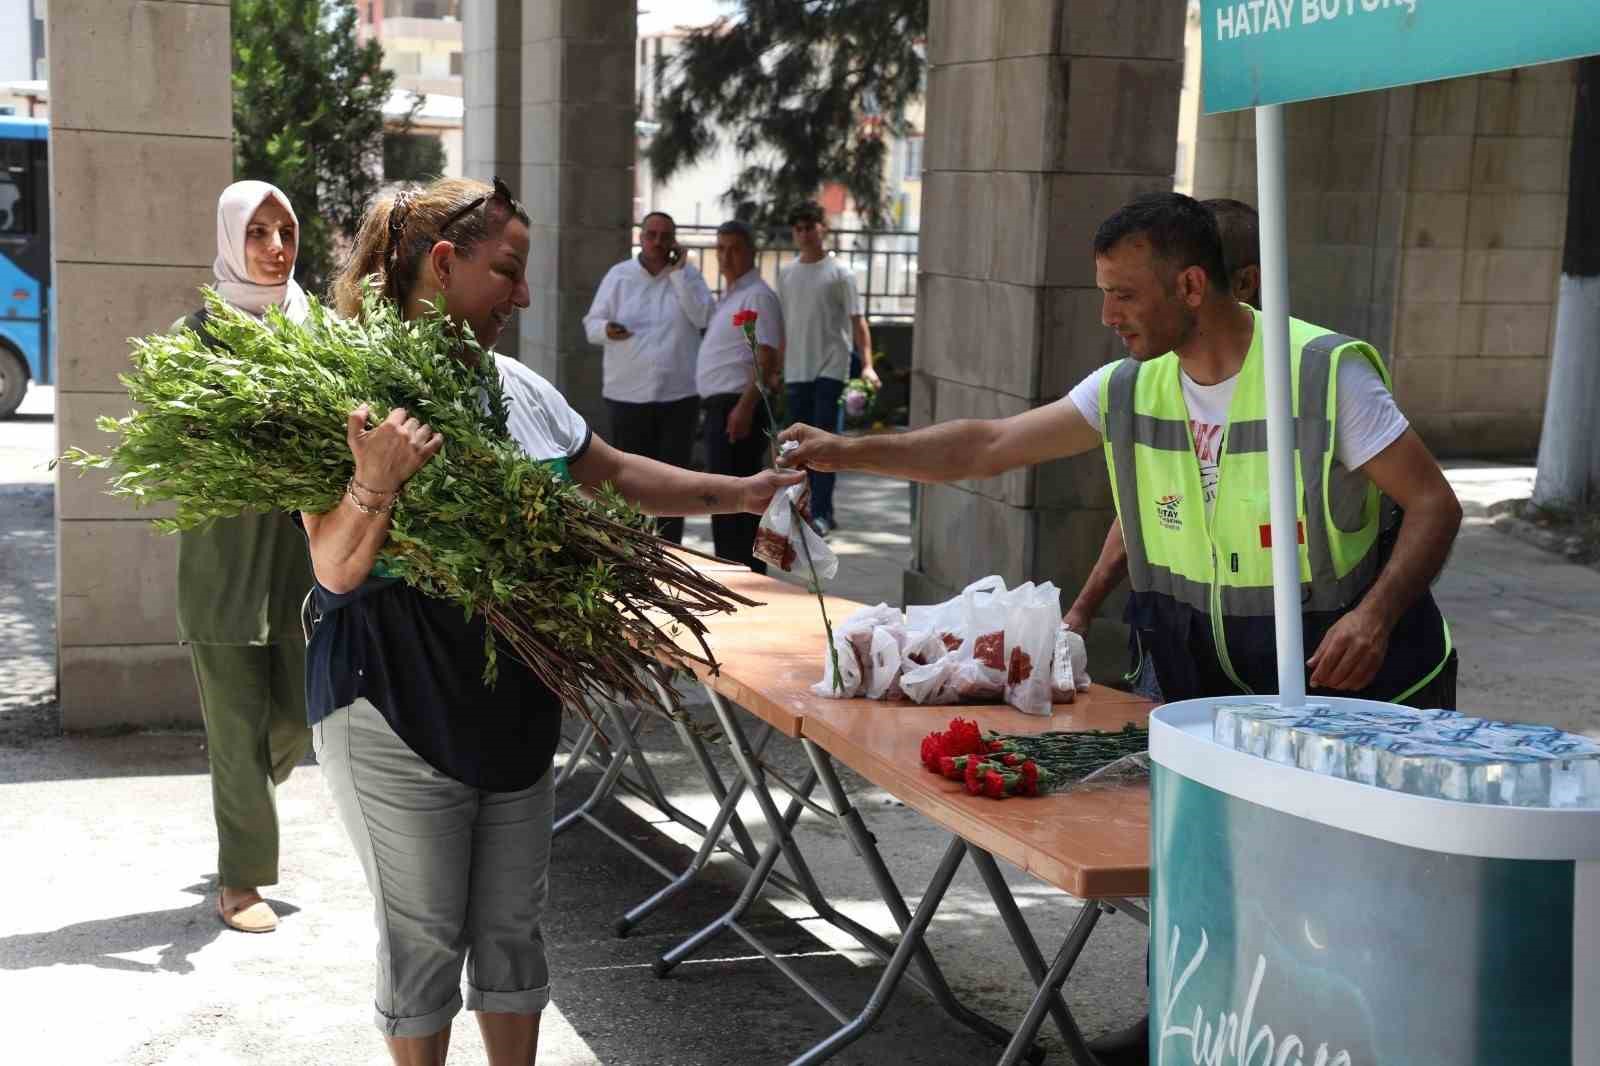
<point>501,192</point>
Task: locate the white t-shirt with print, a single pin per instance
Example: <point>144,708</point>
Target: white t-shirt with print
<point>540,418</point>
<point>818,300</point>
<point>1368,419</point>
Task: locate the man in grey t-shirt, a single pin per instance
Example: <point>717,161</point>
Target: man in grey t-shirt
<point>822,320</point>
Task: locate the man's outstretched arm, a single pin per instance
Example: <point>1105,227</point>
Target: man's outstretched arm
<point>950,451</point>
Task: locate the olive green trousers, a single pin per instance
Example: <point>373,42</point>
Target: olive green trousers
<point>254,700</point>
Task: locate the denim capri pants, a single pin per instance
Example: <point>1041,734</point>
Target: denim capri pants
<point>459,876</point>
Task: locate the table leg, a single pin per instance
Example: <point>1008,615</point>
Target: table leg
<point>1050,988</point>
<point>866,845</point>
<point>1028,948</point>
<point>910,944</point>
<point>782,842</point>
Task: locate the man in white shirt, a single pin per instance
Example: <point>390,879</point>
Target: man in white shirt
<point>736,424</point>
<point>648,314</point>
<point>822,320</point>
<point>1159,265</point>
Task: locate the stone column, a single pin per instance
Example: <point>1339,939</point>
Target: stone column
<point>491,67</point>
<point>1043,117</point>
<point>140,146</point>
<point>577,145</point>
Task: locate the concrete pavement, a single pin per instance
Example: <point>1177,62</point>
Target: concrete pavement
<point>110,953</point>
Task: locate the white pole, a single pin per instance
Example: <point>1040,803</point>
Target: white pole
<point>1280,421</point>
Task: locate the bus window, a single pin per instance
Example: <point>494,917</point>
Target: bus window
<point>16,209</point>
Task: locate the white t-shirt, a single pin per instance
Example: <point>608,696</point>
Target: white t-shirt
<point>664,314</point>
<point>818,300</point>
<point>725,360</point>
<point>1368,418</point>
<point>540,418</point>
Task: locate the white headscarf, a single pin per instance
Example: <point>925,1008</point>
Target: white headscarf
<point>235,207</point>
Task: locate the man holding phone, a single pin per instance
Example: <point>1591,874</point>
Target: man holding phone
<point>647,315</point>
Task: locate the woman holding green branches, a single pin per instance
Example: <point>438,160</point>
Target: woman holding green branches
<point>442,782</point>
<point>240,584</point>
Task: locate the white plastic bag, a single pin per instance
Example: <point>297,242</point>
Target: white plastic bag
<point>984,619</point>
<point>1069,671</point>
<point>1033,618</point>
<point>933,682</point>
<point>883,667</point>
<point>852,641</point>
<point>784,541</point>
<point>948,620</point>
<point>921,648</point>
<point>973,682</point>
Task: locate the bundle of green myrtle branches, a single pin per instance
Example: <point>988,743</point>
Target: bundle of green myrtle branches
<point>573,584</point>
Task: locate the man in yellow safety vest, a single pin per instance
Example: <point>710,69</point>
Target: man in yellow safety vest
<point>1182,424</point>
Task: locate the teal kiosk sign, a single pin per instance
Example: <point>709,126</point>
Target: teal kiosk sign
<point>1260,52</point>
<point>1300,919</point>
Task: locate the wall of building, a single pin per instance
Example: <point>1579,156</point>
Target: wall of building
<point>1429,220</point>
<point>16,41</point>
<point>140,146</point>
<point>1042,117</point>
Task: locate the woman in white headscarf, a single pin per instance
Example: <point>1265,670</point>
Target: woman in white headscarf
<point>240,585</point>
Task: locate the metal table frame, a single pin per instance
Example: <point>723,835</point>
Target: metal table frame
<point>911,945</point>
<point>1047,999</point>
<point>642,784</point>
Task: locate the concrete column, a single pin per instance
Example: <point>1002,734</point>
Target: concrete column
<point>491,68</point>
<point>140,146</point>
<point>1043,117</point>
<point>577,145</point>
<point>491,64</point>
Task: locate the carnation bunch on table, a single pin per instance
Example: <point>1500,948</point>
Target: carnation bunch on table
<point>1032,764</point>
<point>573,585</point>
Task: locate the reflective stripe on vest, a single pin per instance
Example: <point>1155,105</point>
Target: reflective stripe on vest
<point>1220,564</point>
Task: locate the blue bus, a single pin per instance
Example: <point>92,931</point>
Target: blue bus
<point>26,342</point>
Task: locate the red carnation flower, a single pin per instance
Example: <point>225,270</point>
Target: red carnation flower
<point>994,785</point>
<point>1011,758</point>
<point>932,749</point>
<point>974,784</point>
<point>947,766</point>
<point>742,317</point>
<point>964,737</point>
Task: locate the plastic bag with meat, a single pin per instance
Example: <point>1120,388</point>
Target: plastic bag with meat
<point>852,640</point>
<point>1033,618</point>
<point>932,682</point>
<point>779,537</point>
<point>1069,670</point>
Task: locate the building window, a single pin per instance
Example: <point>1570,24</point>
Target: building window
<point>455,64</point>
<point>913,165</point>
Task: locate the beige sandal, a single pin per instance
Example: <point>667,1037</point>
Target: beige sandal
<point>250,915</point>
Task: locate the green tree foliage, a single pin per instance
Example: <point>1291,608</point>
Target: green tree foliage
<point>308,117</point>
<point>806,90</point>
<point>412,157</point>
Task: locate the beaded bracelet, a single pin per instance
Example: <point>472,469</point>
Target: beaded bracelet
<point>350,491</point>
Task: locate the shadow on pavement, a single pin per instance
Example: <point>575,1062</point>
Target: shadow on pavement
<point>179,933</point>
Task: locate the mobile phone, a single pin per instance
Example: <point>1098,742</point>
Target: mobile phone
<point>674,254</point>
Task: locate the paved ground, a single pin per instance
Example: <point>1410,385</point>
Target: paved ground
<point>109,953</point>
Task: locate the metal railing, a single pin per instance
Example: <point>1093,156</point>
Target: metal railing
<point>884,263</point>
